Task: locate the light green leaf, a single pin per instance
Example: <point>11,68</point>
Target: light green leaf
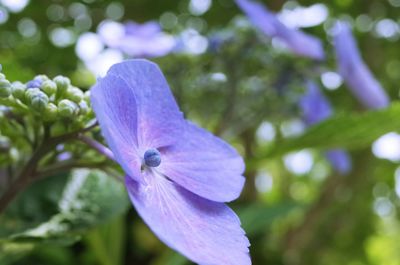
<point>257,217</point>
<point>350,131</point>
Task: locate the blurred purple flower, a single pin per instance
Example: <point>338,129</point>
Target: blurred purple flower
<point>137,40</point>
<point>299,42</point>
<point>64,156</point>
<point>178,175</point>
<point>355,72</point>
<point>340,160</point>
<point>316,108</point>
<point>314,105</point>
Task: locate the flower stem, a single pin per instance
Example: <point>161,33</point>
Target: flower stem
<point>97,146</point>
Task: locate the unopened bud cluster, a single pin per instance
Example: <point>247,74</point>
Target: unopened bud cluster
<point>50,99</point>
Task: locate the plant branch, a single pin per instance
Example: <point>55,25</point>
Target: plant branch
<point>24,177</point>
<point>65,167</point>
<point>28,172</point>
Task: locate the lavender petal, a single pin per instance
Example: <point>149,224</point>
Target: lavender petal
<point>204,231</point>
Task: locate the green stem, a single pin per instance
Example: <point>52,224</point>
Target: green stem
<point>65,167</point>
<point>24,178</point>
<point>29,171</point>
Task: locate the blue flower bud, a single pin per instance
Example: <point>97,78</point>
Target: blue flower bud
<point>74,94</point>
<point>67,108</point>
<point>152,158</point>
<point>49,87</point>
<point>35,83</point>
<point>62,83</point>
<point>39,101</point>
<point>18,90</point>
<point>5,88</point>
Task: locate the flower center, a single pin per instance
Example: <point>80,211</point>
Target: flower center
<point>152,158</point>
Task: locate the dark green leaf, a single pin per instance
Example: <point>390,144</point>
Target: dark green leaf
<point>89,198</point>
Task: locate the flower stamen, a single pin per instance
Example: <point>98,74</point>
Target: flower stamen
<point>152,158</point>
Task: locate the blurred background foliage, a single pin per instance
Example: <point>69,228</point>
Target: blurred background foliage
<point>244,87</point>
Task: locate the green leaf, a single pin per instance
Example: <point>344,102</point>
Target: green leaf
<point>257,217</point>
<point>90,198</point>
<point>170,257</point>
<point>11,252</point>
<point>350,131</point>
<point>106,242</point>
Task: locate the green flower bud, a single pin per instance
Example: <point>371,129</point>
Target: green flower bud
<point>41,78</point>
<point>74,94</point>
<point>57,129</point>
<point>51,112</point>
<point>14,154</point>
<point>29,93</point>
<point>5,88</point>
<point>4,144</point>
<point>67,108</point>
<point>39,101</point>
<point>18,90</point>
<point>83,107</point>
<point>86,96</point>
<point>62,83</point>
<point>49,87</point>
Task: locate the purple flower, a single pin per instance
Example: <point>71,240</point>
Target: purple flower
<point>314,105</point>
<point>137,40</point>
<point>299,42</point>
<point>340,160</point>
<point>355,72</point>
<point>178,175</point>
<point>316,108</point>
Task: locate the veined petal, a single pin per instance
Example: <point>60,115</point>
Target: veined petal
<point>204,164</point>
<point>206,232</point>
<point>159,119</point>
<point>114,104</point>
<point>299,42</point>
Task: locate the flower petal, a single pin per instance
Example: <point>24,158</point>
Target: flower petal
<point>159,119</point>
<point>299,42</point>
<point>355,72</point>
<point>114,104</point>
<point>206,232</point>
<point>314,105</point>
<point>204,164</point>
